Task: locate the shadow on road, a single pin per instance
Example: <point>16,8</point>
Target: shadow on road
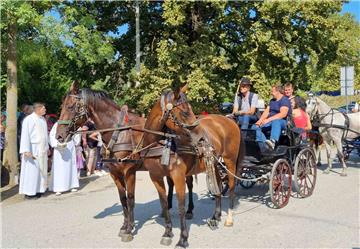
<point>150,212</point>
<point>259,193</point>
<point>8,193</point>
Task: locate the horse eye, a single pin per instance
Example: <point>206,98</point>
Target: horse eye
<point>185,114</point>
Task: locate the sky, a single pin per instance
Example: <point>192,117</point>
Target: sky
<point>352,7</point>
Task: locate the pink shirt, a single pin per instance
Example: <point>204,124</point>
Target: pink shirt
<point>301,120</point>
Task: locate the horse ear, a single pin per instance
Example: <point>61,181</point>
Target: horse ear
<point>74,88</point>
<point>177,92</point>
<point>185,88</point>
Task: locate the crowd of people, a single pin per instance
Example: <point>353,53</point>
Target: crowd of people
<point>284,106</point>
<point>42,154</point>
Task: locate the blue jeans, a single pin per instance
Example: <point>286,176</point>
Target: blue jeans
<point>98,165</point>
<point>276,126</point>
<point>245,120</point>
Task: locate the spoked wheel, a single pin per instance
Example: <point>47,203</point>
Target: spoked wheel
<point>247,175</point>
<point>305,172</point>
<point>280,183</point>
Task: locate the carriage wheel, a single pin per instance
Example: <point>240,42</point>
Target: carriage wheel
<point>305,172</point>
<point>280,183</point>
<point>247,184</point>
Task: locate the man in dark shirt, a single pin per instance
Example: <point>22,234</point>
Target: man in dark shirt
<point>273,118</point>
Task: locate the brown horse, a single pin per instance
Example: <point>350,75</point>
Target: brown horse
<point>77,107</point>
<point>223,134</point>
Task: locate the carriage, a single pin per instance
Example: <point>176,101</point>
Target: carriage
<point>350,146</point>
<point>292,161</point>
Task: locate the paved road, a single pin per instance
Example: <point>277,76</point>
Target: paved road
<point>92,217</point>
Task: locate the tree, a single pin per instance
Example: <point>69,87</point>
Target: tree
<point>15,14</point>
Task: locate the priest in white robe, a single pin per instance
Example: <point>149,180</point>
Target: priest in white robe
<point>34,146</point>
<point>64,170</point>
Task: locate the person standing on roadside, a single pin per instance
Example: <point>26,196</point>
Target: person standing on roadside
<point>63,171</point>
<point>89,144</point>
<point>34,147</point>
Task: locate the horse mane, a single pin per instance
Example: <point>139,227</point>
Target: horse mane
<point>326,105</point>
<point>91,97</point>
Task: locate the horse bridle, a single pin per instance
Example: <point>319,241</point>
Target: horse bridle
<point>314,111</point>
<point>317,118</point>
<point>80,112</point>
<point>167,109</point>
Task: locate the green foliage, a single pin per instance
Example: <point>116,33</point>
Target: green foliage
<point>39,76</point>
<point>209,45</point>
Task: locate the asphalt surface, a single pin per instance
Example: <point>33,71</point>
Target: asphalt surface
<point>91,218</point>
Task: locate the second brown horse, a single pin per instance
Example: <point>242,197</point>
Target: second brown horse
<point>174,112</point>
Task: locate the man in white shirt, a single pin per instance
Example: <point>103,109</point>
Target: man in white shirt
<point>34,147</point>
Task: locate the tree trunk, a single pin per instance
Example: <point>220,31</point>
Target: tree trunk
<point>11,150</point>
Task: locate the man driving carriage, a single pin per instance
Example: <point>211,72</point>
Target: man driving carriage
<point>274,118</point>
<point>245,104</point>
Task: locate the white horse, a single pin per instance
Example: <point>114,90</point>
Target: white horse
<point>333,127</point>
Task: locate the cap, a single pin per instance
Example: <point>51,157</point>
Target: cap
<point>245,81</point>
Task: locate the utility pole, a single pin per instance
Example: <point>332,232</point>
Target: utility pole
<point>137,40</point>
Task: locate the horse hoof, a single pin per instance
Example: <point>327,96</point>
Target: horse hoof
<point>122,232</point>
<point>181,245</point>
<point>165,241</point>
<point>228,223</point>
<point>127,237</point>
<point>343,174</point>
<point>189,216</point>
<point>327,171</point>
<point>213,224</point>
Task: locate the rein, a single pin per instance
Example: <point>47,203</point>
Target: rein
<point>320,117</point>
<point>82,112</point>
<point>131,127</point>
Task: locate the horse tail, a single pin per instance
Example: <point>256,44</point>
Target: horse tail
<point>241,155</point>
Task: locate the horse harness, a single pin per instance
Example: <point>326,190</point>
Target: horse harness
<point>345,128</point>
<point>199,145</point>
<point>80,112</point>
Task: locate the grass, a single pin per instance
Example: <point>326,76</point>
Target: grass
<point>337,101</point>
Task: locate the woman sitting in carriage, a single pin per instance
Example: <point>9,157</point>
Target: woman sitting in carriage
<point>300,117</point>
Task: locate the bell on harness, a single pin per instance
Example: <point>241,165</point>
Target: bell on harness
<point>165,157</point>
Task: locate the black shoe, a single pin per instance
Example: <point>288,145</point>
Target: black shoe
<point>31,197</point>
<point>264,148</point>
<point>39,195</point>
